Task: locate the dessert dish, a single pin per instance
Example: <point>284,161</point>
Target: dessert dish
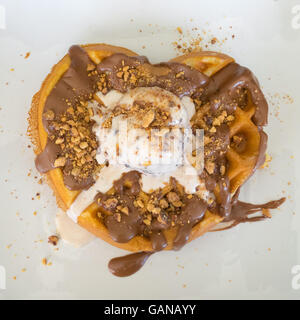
<point>150,156</point>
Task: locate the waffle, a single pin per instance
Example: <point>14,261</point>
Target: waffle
<point>240,163</point>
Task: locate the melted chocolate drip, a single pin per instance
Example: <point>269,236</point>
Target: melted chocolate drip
<point>129,183</point>
<point>192,213</point>
<point>225,204</point>
<point>82,184</point>
<point>127,265</point>
<point>241,210</point>
<point>158,241</point>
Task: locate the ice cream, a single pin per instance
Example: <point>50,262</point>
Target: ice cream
<point>130,140</point>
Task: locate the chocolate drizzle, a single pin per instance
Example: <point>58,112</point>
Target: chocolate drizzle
<point>113,63</point>
<point>44,162</point>
<point>123,227</point>
<point>225,204</point>
<point>177,78</point>
<point>241,210</point>
<point>192,213</point>
<point>74,86</point>
<point>228,89</point>
<point>226,86</point>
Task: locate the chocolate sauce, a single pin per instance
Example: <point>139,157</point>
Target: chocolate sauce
<point>75,85</point>
<point>192,213</point>
<point>129,225</point>
<point>123,227</point>
<point>112,64</point>
<point>127,265</point>
<point>225,88</point>
<point>158,240</point>
<point>175,77</point>
<point>240,211</point>
<point>44,162</point>
<point>225,205</point>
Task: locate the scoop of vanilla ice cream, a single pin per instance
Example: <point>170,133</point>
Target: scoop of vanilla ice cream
<point>128,143</point>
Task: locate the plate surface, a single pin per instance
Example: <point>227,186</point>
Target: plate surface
<point>250,261</point>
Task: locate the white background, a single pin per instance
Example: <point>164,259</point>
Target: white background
<point>250,261</point>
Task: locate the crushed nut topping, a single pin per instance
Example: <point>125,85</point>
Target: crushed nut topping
<point>53,240</point>
<point>72,132</point>
<point>162,206</point>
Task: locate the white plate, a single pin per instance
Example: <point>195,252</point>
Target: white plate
<point>250,261</point>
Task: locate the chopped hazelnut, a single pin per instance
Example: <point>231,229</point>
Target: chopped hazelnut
<point>150,207</point>
<point>49,115</point>
<point>83,145</point>
<point>91,112</point>
<point>111,203</point>
<point>179,74</point>
<point>173,197</point>
<point>70,110</point>
<point>75,172</point>
<point>59,140</point>
<point>147,222</point>
<point>74,132</point>
<point>148,119</point>
<point>177,204</point>
<point>90,67</point>
<point>161,220</point>
<point>118,216</point>
<point>210,167</point>
<point>60,162</point>
<point>140,203</point>
<point>156,210</point>
<point>120,74</point>
<point>80,109</point>
<point>164,203</point>
<point>230,118</point>
<point>125,210</point>
<point>222,170</point>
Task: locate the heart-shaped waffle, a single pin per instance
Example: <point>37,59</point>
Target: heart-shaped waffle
<point>221,82</point>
